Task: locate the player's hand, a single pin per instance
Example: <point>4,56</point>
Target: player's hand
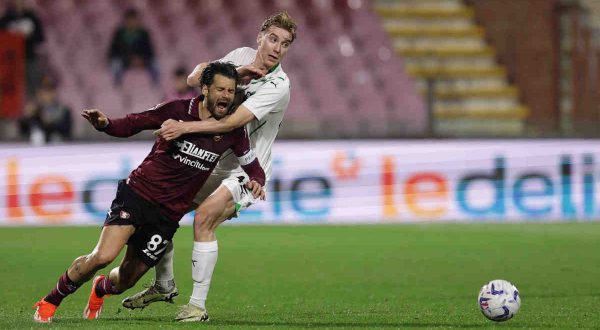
<point>249,72</point>
<point>257,190</point>
<point>96,118</point>
<point>171,129</point>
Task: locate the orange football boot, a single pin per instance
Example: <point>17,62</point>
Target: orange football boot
<point>93,309</point>
<point>44,311</point>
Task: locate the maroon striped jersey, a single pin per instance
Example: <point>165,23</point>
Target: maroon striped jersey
<point>174,171</point>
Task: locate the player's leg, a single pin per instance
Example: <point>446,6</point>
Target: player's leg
<point>217,208</point>
<point>163,288</point>
<point>205,252</point>
<point>164,275</point>
<point>129,272</point>
<point>112,239</point>
<point>111,242</point>
<point>224,203</point>
<point>120,278</point>
<point>145,248</point>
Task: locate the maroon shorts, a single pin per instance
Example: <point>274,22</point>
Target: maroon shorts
<point>153,231</point>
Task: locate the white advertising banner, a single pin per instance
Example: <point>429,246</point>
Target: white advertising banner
<point>332,182</point>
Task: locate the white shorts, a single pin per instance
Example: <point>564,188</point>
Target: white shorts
<point>235,182</point>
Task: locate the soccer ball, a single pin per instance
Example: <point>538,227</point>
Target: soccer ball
<point>499,300</point>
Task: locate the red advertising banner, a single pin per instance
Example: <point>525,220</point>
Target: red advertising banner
<point>12,74</point>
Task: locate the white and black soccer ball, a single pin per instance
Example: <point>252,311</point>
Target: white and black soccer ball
<point>499,300</point>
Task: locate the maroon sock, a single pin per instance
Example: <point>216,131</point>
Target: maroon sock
<point>104,287</point>
<point>63,288</point>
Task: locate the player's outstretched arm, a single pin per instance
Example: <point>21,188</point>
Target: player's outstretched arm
<point>96,118</point>
<point>132,123</point>
<point>172,129</point>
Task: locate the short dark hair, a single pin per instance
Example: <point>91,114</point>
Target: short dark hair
<point>225,69</point>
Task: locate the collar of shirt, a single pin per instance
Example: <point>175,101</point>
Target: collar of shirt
<point>193,109</point>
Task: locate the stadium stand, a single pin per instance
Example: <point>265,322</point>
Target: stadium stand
<point>444,49</point>
<point>347,82</point>
<point>550,52</point>
<point>359,69</point>
<point>579,69</point>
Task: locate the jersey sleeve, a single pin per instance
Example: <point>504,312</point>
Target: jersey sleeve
<point>273,96</point>
<point>247,158</point>
<point>136,122</point>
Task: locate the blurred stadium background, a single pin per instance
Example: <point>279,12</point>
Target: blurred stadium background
<point>359,69</point>
<point>406,111</point>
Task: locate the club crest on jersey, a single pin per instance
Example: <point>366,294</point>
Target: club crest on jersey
<point>124,215</point>
<point>218,138</point>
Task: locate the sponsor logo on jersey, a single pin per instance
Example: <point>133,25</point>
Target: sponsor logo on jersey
<point>193,163</point>
<point>200,156</point>
<point>191,149</point>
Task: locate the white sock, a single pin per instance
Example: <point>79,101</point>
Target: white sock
<point>165,279</point>
<point>204,259</point>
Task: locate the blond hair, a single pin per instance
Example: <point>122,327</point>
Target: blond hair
<point>281,20</point>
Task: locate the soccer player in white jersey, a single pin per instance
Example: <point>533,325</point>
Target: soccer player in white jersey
<point>267,89</point>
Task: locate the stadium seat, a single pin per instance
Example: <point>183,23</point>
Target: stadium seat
<point>444,49</point>
<point>329,87</point>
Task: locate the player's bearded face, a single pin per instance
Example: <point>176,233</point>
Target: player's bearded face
<point>273,45</point>
<point>219,96</point>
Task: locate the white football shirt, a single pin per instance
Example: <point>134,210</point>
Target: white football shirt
<point>268,99</point>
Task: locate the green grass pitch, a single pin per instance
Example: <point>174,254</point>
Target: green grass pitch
<point>333,277</point>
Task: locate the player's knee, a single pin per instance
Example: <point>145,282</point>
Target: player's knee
<point>205,218</point>
<point>202,229</point>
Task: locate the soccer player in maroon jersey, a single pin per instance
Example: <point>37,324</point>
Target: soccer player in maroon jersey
<point>267,88</point>
<point>151,201</point>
